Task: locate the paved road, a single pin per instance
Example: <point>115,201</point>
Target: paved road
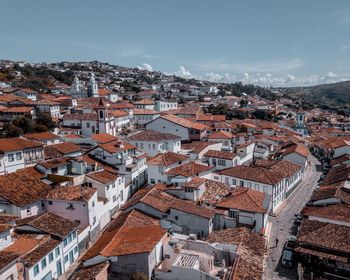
<point>282,223</point>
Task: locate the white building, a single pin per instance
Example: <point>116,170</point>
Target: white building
<point>144,116</point>
<point>154,142</point>
<point>186,129</point>
<point>18,153</point>
<point>277,179</point>
<point>161,163</point>
<point>165,105</point>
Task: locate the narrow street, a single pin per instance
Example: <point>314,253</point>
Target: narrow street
<point>282,223</point>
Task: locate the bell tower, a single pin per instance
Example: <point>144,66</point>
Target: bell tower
<point>92,87</point>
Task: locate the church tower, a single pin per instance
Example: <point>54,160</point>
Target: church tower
<point>76,89</point>
<point>300,127</point>
<point>102,116</point>
<point>92,87</point>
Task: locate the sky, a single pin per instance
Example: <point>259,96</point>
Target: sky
<point>270,42</point>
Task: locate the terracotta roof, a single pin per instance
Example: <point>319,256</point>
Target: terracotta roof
<point>54,163</point>
<point>195,183</point>
<point>214,191</point>
<point>155,197</point>
<point>62,149</point>
<point>245,199</point>
<point>42,250</point>
<point>119,113</point>
<point>220,135</point>
<point>337,174</point>
<point>41,136</point>
<point>296,148</point>
<point>103,91</point>
<point>90,272</point>
<point>7,258</point>
<point>184,122</point>
<point>340,143</point>
<point>153,136</point>
<point>22,188</point>
<point>84,116</point>
<point>324,235</point>
<point>271,176</point>
<point>71,193</point>
<point>144,102</point>
<point>216,118</point>
<point>23,243</point>
<point>7,218</point>
<point>189,169</point>
<point>103,176</point>
<point>17,109</point>
<point>196,146</point>
<point>166,159</point>
<point>145,112</point>
<point>49,223</point>
<point>340,159</point>
<point>339,212</point>
<point>220,154</point>
<point>129,233</point>
<point>250,252</point>
<point>103,137</point>
<point>17,144</point>
<point>4,227</point>
<point>116,147</point>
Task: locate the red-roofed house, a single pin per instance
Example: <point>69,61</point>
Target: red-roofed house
<point>184,128</point>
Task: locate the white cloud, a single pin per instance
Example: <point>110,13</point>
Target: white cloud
<point>147,67</point>
<point>184,73</point>
<point>331,75</point>
<point>263,67</point>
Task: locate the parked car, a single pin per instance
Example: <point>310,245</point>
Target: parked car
<point>287,258</point>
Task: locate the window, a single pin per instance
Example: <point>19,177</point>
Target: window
<point>153,181</point>
<point>74,234</point>
<point>10,157</point>
<point>65,242</point>
<point>50,202</point>
<point>57,251</point>
<point>65,259</point>
<point>93,204</point>
<point>154,146</point>
<point>249,184</point>
<point>114,198</point>
<point>233,214</point>
<point>54,170</point>
<point>160,169</point>
<point>234,182</point>
<point>221,162</point>
<point>87,125</point>
<point>18,156</point>
<point>36,270</point>
<point>121,195</point>
<point>70,206</point>
<point>69,238</point>
<point>75,249</point>
<point>43,264</point>
<point>50,257</point>
<point>101,114</point>
<point>227,181</point>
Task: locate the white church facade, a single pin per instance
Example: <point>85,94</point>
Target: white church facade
<point>79,91</point>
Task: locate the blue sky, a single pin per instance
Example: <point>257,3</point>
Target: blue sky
<point>271,42</point>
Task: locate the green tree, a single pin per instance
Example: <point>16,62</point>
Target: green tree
<point>11,130</point>
<point>26,124</point>
<point>44,119</point>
